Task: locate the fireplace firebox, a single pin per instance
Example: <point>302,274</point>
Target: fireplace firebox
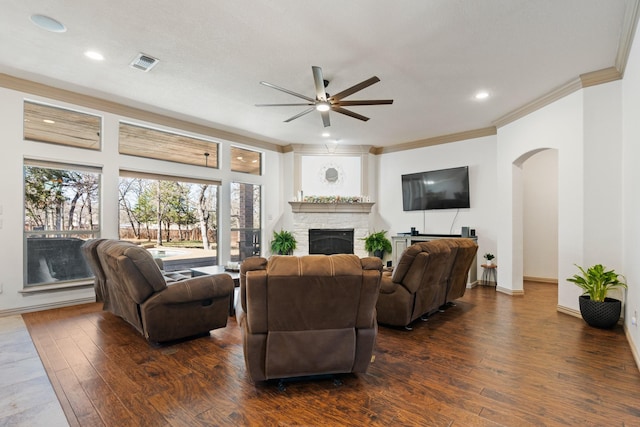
<point>329,241</point>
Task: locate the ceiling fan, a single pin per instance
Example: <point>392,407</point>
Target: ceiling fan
<point>324,102</point>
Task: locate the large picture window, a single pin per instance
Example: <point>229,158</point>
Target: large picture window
<point>169,211</point>
<point>61,211</point>
<point>245,220</point>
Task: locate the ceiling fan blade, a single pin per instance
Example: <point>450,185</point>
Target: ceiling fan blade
<point>325,118</point>
<point>287,91</point>
<point>283,105</point>
<point>318,80</point>
<point>307,111</point>
<point>349,113</point>
<point>355,88</point>
<point>367,102</point>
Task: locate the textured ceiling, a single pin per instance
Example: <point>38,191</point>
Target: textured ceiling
<point>431,56</point>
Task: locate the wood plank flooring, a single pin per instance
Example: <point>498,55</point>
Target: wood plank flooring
<point>492,360</point>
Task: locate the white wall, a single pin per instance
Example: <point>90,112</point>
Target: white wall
<point>559,126</point>
<point>11,197</point>
<point>479,154</point>
<point>585,129</point>
<point>540,215</point>
<point>631,204</point>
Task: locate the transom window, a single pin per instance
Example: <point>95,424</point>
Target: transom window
<point>142,141</point>
<point>247,161</point>
<point>55,125</point>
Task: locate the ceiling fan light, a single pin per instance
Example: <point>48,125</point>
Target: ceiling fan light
<point>323,106</point>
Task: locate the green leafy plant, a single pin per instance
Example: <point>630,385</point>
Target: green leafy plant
<point>596,281</point>
<point>489,256</point>
<point>377,241</point>
<point>283,243</point>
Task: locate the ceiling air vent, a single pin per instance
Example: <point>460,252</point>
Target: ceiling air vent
<point>144,62</point>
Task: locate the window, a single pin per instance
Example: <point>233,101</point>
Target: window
<point>54,125</point>
<point>169,211</point>
<point>245,220</point>
<point>246,161</point>
<point>61,211</point>
<point>155,144</point>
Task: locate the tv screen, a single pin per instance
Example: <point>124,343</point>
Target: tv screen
<point>439,189</point>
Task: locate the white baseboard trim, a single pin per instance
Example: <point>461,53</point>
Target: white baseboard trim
<point>46,306</point>
<point>636,356</point>
<point>512,292</point>
<point>569,311</point>
<point>540,279</point>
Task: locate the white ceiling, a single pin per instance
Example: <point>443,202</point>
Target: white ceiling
<point>431,56</point>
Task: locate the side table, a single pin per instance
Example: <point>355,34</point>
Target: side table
<point>489,271</point>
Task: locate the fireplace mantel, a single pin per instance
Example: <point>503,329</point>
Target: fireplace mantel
<point>304,207</point>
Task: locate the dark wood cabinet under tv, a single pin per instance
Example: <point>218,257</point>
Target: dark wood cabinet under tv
<point>402,241</point>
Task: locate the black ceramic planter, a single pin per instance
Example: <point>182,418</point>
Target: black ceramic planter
<point>604,314</point>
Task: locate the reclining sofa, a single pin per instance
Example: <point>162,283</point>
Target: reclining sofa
<point>130,284</point>
<point>309,315</point>
<point>428,276</point>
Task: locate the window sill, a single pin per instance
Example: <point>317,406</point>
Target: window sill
<point>56,287</point>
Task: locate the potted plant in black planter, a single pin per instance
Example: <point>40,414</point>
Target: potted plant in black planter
<point>283,243</point>
<point>377,243</point>
<point>596,308</point>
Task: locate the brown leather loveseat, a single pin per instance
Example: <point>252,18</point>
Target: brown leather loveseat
<point>131,285</point>
<point>428,276</point>
<point>309,315</point>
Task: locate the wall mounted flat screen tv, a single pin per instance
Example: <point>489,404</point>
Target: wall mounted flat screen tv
<point>438,189</point>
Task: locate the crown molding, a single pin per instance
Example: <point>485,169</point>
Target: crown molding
<point>629,25</point>
<point>39,89</point>
<point>599,77</point>
<point>437,140</point>
<point>543,101</point>
<point>329,148</point>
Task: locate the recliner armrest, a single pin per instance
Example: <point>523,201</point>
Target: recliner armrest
<point>196,289</point>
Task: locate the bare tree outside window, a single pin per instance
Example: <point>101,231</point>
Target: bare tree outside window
<point>168,212</point>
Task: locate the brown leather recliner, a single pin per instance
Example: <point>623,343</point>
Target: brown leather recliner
<point>308,315</point>
<point>90,254</point>
<point>428,275</point>
<point>464,252</point>
<point>135,290</point>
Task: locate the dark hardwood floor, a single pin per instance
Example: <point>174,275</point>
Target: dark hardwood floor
<point>492,360</point>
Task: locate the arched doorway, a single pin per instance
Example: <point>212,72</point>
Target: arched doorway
<point>535,215</point>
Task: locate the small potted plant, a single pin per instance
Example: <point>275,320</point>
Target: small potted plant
<point>596,308</point>
<point>283,243</point>
<point>377,243</point>
<point>489,257</point>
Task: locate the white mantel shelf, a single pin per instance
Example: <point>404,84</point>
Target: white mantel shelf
<point>303,207</point>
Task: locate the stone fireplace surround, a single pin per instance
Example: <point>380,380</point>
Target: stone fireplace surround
<point>330,216</point>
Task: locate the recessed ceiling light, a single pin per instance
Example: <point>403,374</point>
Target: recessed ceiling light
<point>48,121</point>
<point>92,54</point>
<point>482,95</point>
<point>47,23</point>
<point>326,134</point>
